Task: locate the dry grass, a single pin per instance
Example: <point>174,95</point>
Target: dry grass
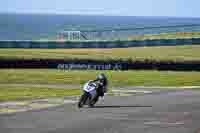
<point>185,52</point>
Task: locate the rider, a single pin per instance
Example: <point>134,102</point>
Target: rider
<point>102,83</point>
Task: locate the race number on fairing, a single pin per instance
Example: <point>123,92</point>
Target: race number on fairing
<point>89,88</point>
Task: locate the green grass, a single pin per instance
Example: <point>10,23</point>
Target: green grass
<point>175,53</point>
<point>177,35</point>
<point>10,93</point>
<point>116,78</point>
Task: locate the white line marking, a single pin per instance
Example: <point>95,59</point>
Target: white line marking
<point>164,123</point>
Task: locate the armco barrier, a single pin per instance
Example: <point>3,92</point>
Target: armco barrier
<point>85,64</point>
<point>195,40</point>
<point>94,44</point>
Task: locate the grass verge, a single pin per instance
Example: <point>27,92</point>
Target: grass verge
<point>116,78</point>
<point>10,93</point>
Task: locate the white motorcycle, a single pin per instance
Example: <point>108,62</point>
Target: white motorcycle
<point>89,92</point>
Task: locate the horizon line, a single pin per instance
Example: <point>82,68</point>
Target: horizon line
<point>90,14</point>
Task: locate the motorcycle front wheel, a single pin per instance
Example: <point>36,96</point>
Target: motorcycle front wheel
<point>83,100</point>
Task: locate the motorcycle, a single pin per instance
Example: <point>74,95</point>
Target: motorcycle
<point>89,95</point>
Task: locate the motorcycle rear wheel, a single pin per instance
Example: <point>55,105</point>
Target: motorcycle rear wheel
<point>93,101</point>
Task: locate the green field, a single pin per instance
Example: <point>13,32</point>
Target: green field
<point>177,35</point>
<point>116,78</point>
<point>180,53</point>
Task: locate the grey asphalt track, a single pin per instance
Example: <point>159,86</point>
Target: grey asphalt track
<point>163,112</point>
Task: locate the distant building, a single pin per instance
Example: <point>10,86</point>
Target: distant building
<point>69,35</point>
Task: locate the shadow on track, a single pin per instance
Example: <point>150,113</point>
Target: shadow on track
<point>123,106</point>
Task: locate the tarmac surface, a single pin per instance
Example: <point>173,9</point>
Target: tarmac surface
<point>157,112</point>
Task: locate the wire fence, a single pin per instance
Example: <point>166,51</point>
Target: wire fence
<point>124,33</point>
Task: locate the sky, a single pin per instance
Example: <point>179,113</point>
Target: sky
<point>175,8</point>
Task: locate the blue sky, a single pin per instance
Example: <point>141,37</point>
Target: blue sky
<point>178,8</point>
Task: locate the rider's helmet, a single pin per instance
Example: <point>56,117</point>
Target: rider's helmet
<point>102,79</point>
